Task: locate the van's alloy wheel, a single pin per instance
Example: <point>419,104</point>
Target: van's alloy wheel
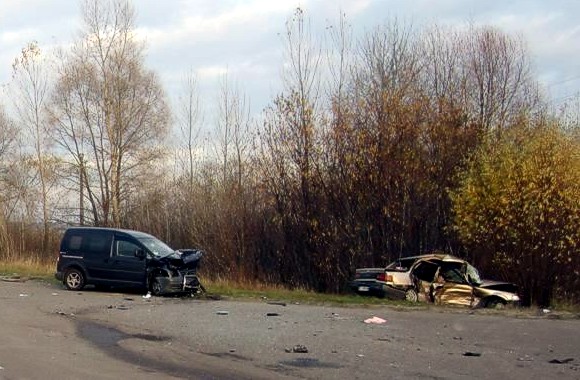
<point>156,287</point>
<point>74,279</point>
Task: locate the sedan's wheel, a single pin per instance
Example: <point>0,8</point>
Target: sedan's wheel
<point>411,295</point>
<point>155,287</point>
<point>74,279</point>
<point>495,303</point>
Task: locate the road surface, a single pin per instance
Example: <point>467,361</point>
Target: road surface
<point>47,332</point>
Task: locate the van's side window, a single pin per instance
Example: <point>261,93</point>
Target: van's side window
<point>75,242</point>
<point>98,243</point>
<point>125,248</point>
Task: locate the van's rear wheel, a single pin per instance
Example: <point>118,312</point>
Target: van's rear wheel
<point>74,279</point>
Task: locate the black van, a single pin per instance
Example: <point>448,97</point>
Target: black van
<point>125,258</point>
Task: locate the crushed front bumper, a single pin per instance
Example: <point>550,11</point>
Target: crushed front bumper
<point>179,284</point>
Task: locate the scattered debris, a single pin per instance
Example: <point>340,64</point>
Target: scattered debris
<point>299,349</point>
<point>545,311</point>
<point>468,353</point>
<point>119,307</point>
<point>375,320</point>
<point>272,315</point>
<point>64,314</point>
<point>23,295</point>
<point>128,299</point>
<point>1,368</point>
<point>13,278</point>
<point>457,338</point>
<point>360,356</point>
<point>526,358</point>
<point>276,303</point>
<point>55,294</point>
<point>147,296</point>
<point>561,361</point>
<point>222,312</point>
<point>232,350</point>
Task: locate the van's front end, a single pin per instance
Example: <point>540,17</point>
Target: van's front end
<point>175,273</point>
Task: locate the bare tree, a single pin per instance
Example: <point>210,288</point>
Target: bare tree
<point>110,111</point>
<point>8,136</point>
<point>232,131</point>
<point>30,95</point>
<point>289,150</point>
<point>498,77</point>
<point>232,151</point>
<point>190,119</point>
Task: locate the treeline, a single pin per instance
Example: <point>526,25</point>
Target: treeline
<point>396,143</point>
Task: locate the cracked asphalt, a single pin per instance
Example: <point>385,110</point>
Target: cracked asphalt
<point>48,332</point>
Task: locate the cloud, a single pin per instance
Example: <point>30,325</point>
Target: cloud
<point>194,26</point>
<point>242,35</point>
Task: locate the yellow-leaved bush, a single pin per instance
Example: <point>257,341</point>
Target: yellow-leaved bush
<point>518,208</point>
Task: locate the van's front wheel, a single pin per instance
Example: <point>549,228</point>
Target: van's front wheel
<point>74,279</point>
<point>155,287</point>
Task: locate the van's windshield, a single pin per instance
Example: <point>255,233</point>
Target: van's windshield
<point>157,247</point>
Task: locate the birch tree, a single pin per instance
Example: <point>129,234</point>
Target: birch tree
<point>109,109</point>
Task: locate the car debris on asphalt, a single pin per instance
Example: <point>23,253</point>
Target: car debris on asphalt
<point>300,349</point>
<point>561,361</point>
<point>276,303</point>
<point>375,320</point>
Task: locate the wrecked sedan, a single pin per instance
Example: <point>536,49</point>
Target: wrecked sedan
<point>393,282</point>
<point>444,280</point>
<point>109,257</point>
<point>448,280</point>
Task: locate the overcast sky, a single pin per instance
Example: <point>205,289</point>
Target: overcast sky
<point>242,36</point>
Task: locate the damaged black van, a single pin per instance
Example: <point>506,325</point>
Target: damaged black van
<point>109,257</point>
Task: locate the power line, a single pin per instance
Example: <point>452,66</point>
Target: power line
<point>570,79</point>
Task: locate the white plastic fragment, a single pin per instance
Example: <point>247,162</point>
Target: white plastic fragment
<point>375,320</point>
<point>147,296</point>
<point>23,295</point>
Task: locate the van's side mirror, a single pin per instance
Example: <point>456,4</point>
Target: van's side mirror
<point>139,253</point>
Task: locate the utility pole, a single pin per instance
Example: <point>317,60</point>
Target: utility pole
<point>81,192</point>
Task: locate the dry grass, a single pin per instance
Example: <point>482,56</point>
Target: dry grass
<point>261,291</point>
<point>29,267</point>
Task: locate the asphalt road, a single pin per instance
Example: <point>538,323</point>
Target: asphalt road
<point>47,332</point>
